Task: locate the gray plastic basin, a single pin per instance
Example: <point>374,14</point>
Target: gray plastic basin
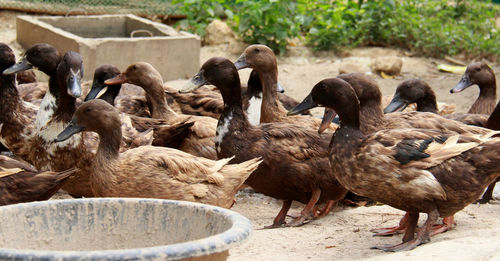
<point>119,229</point>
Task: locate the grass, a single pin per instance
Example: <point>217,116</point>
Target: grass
<point>427,27</point>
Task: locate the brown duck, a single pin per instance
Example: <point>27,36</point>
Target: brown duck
<point>415,170</point>
<point>372,120</point>
<point>482,75</point>
<point>417,91</point>
<point>295,165</point>
<point>262,59</point>
<point>200,141</point>
<point>153,172</point>
<point>19,182</point>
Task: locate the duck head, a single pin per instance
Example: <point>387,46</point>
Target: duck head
<point>42,56</point>
<point>476,73</point>
<point>141,73</point>
<point>70,73</point>
<point>7,57</point>
<point>101,74</point>
<point>217,71</point>
<point>94,115</point>
<point>411,91</point>
<point>258,57</point>
<point>338,97</point>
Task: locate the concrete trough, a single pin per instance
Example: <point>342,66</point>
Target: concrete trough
<point>115,39</point>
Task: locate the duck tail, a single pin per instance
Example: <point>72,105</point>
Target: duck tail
<point>236,174</point>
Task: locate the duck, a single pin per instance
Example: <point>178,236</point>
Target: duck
<point>136,131</point>
<point>57,107</point>
<point>149,171</point>
<point>20,182</point>
<point>252,98</point>
<point>295,164</point>
<point>482,75</point>
<point>494,124</point>
<point>418,91</point>
<point>415,170</point>
<point>372,119</point>
<point>415,90</point>
<point>262,59</point>
<point>17,120</point>
<point>199,142</point>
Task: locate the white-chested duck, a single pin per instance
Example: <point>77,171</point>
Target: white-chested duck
<point>482,75</point>
<point>372,119</point>
<point>295,165</point>
<point>200,141</point>
<point>153,172</point>
<point>19,182</point>
<point>262,59</point>
<point>416,170</point>
<point>419,92</point>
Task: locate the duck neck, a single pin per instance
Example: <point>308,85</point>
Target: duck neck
<point>9,98</point>
<point>233,105</point>
<point>66,107</point>
<point>271,110</point>
<point>428,103</point>
<point>109,144</point>
<point>494,119</point>
<point>111,93</point>
<point>348,136</point>
<point>156,97</point>
<point>485,103</point>
<point>371,116</point>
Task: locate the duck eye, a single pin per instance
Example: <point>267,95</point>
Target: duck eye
<point>257,50</point>
<point>88,110</point>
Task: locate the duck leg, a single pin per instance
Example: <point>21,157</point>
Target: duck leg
<point>389,231</point>
<point>307,211</point>
<point>319,213</point>
<point>409,240</point>
<point>488,194</point>
<point>279,220</point>
<point>448,223</point>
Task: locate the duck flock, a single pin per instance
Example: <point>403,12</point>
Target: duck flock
<point>204,144</point>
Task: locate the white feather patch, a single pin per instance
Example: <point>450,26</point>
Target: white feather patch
<point>253,110</point>
<point>222,129</point>
<point>45,111</point>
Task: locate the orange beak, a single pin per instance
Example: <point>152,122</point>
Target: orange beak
<point>328,117</point>
<point>119,79</point>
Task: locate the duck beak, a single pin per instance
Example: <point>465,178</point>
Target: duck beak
<point>241,63</point>
<point>20,66</point>
<point>280,88</point>
<point>328,117</point>
<point>70,130</point>
<point>196,82</point>
<point>462,84</point>
<point>95,90</point>
<point>397,104</point>
<point>74,86</point>
<point>119,79</point>
<point>306,104</point>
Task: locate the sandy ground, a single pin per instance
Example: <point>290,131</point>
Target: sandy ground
<point>344,234</point>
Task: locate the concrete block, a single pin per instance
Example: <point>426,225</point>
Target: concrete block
<point>115,39</point>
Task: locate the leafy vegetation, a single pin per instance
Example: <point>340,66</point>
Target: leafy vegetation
<point>427,27</point>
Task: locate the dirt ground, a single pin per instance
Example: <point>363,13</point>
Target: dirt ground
<point>344,234</point>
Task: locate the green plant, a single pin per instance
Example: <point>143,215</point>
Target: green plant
<point>269,22</point>
<point>200,13</point>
